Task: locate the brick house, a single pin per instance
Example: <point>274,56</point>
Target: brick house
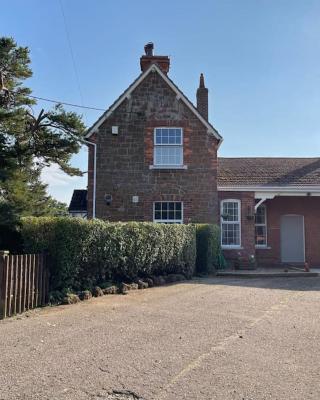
<point>275,208</point>
<point>153,157</point>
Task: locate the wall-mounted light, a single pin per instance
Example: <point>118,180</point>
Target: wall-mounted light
<point>135,199</point>
<point>108,199</point>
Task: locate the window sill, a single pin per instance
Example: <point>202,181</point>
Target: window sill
<point>263,247</point>
<point>232,248</point>
<point>168,167</point>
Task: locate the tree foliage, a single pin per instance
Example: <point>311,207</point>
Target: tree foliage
<point>30,140</point>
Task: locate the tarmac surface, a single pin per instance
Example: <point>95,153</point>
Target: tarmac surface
<point>218,338</point>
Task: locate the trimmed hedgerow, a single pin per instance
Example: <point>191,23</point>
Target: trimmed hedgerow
<point>85,253</point>
<point>208,248</point>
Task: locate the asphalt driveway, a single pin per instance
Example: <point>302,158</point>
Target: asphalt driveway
<point>220,338</point>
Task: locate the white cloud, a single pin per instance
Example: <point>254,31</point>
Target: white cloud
<point>61,185</point>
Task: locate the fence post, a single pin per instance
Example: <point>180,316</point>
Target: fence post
<point>3,283</point>
<point>24,282</point>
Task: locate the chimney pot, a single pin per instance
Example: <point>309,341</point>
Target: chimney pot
<point>149,58</point>
<point>148,48</point>
<point>201,84</point>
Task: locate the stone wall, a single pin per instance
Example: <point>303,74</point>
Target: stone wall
<point>124,160</point>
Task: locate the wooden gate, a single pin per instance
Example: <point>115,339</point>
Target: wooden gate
<point>24,283</point>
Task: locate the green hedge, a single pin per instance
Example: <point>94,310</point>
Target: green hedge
<point>85,253</point>
<point>208,248</point>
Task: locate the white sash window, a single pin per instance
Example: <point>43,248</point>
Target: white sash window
<point>168,147</point>
<point>230,223</point>
<point>168,212</point>
<point>261,226</point>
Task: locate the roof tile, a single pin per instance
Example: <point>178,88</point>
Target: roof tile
<point>268,171</point>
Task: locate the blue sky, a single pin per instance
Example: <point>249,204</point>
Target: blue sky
<point>260,59</point>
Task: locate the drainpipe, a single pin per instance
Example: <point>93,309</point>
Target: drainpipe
<point>94,176</point>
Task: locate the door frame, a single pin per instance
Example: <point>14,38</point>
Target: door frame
<point>303,236</point>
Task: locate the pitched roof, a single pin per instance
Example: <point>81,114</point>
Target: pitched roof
<point>268,172</point>
<point>78,201</point>
<point>130,89</point>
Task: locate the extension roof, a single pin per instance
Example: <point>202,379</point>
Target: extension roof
<point>78,202</point>
<point>268,172</point>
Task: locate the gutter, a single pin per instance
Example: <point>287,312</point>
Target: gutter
<point>284,188</point>
<point>94,176</point>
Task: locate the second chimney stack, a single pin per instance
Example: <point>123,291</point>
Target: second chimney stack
<point>202,98</point>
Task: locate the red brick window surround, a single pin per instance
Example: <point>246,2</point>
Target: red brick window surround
<point>168,147</point>
<point>231,223</point>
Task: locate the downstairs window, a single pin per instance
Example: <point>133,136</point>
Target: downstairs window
<point>168,212</point>
<point>261,226</point>
<point>230,223</point>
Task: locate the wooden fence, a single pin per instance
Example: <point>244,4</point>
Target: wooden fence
<point>24,283</point>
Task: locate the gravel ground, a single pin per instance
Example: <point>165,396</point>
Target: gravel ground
<point>220,338</point>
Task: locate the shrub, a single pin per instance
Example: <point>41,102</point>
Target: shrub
<point>83,254</point>
<point>208,248</point>
<point>10,239</point>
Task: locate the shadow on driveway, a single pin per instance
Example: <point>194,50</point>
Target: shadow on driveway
<point>302,284</point>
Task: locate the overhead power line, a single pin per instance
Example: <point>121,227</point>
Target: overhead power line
<point>71,50</point>
<point>66,104</point>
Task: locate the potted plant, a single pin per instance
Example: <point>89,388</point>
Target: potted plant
<point>245,262</point>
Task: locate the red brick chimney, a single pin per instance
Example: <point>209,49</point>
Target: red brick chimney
<point>202,98</point>
<point>162,61</point>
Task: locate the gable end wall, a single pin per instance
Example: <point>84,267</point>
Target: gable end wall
<point>123,160</point>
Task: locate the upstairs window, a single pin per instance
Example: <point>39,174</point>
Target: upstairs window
<point>261,226</point>
<point>230,223</point>
<point>168,147</point>
<point>168,212</point>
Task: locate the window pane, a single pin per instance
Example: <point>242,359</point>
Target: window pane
<point>158,136</point>
<point>178,215</point>
<point>260,233</point>
<point>260,217</point>
<point>168,212</point>
<point>168,155</point>
<point>157,215</point>
<point>165,136</point>
<point>172,139</point>
<point>178,136</point>
<point>157,156</point>
<point>230,211</point>
<point>230,234</point>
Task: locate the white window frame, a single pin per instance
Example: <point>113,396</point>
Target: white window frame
<point>222,221</point>
<point>261,246</point>
<point>171,221</point>
<point>155,146</point>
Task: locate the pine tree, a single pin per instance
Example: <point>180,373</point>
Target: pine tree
<point>29,141</point>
